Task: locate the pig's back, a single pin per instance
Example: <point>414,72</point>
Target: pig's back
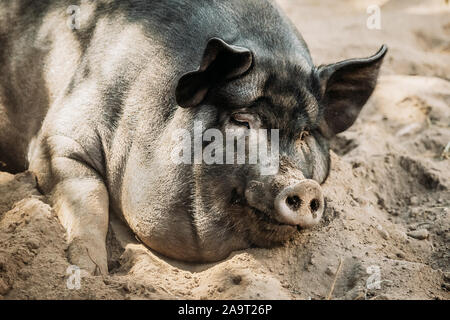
<point>23,96</point>
<point>47,53</point>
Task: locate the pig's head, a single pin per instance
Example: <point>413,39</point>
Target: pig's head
<point>233,206</point>
<point>235,89</point>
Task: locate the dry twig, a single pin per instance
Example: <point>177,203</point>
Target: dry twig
<point>335,278</point>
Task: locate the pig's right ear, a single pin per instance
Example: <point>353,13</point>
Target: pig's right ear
<point>220,62</point>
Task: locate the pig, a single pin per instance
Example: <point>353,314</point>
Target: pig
<point>92,91</point>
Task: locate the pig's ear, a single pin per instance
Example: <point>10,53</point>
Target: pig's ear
<point>345,88</point>
<point>220,62</point>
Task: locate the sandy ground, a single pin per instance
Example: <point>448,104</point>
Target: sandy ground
<point>386,230</point>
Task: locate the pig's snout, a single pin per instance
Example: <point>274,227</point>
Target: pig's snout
<point>300,204</point>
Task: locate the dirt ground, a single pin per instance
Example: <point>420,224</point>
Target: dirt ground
<point>386,229</point>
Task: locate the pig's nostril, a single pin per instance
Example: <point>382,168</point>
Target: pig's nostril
<point>314,205</point>
<point>293,202</point>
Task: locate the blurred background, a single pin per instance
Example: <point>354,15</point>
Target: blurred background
<point>417,32</point>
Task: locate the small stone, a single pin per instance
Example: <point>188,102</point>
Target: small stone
<point>236,279</point>
<point>33,243</point>
<point>414,212</point>
<point>420,234</point>
<point>394,212</point>
<point>400,255</point>
<point>383,233</point>
<point>414,200</point>
<point>330,271</point>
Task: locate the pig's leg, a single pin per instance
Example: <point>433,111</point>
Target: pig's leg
<point>82,207</point>
<point>79,197</point>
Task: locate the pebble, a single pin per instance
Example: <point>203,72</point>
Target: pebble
<point>236,279</point>
<point>393,212</point>
<point>33,243</point>
<point>414,212</point>
<point>420,234</point>
<point>150,288</point>
<point>414,200</point>
<point>383,233</point>
<point>330,271</point>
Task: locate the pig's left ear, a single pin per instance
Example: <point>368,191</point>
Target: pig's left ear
<point>345,88</point>
<point>220,62</point>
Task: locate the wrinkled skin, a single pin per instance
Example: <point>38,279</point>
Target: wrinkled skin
<point>91,112</point>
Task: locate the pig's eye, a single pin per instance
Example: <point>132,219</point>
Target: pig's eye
<point>241,119</point>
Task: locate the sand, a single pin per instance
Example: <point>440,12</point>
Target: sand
<point>386,229</point>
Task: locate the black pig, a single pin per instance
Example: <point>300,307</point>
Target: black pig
<point>90,96</point>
